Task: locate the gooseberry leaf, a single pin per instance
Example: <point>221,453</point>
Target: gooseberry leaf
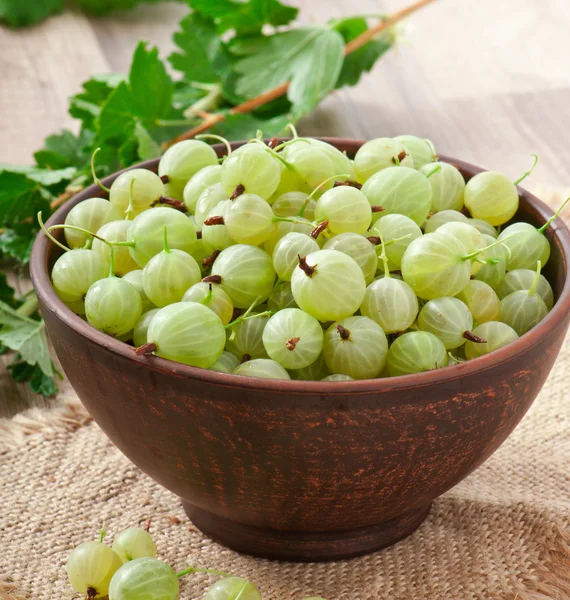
<point>101,7</point>
<point>39,382</point>
<point>45,177</point>
<point>7,292</point>
<point>26,336</point>
<point>18,13</point>
<point>244,127</point>
<point>20,197</point>
<point>146,146</point>
<point>86,105</point>
<point>65,149</point>
<point>17,242</point>
<point>309,58</point>
<point>203,57</point>
<point>244,16</point>
<point>151,87</point>
<point>363,59</point>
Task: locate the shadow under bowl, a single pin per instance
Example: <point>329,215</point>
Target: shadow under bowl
<point>305,470</point>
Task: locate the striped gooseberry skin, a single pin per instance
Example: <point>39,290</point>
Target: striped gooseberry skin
<point>189,333</point>
<point>247,274</point>
<point>330,287</point>
<point>357,347</point>
<point>74,273</point>
<point>288,249</point>
<point>396,227</point>
<point>522,310</point>
<point>416,352</point>
<point>495,334</point>
<point>447,186</point>
<point>144,578</point>
<point>181,162</point>
<point>399,190</point>
<point>481,300</point>
<point>113,306</point>
<point>293,338</point>
<point>523,279</point>
<point>262,367</point>
<point>448,319</point>
<point>146,232</point>
<point>391,303</point>
<point>358,248</point>
<point>168,275</point>
<point>381,153</point>
<point>91,214</point>
<point>434,266</point>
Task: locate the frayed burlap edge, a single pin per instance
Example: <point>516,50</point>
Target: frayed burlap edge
<point>551,581</point>
<point>68,415</point>
<point>8,590</point>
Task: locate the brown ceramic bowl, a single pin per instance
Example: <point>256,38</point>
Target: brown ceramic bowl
<point>305,470</point>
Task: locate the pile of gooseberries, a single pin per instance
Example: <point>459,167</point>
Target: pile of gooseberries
<point>129,570</point>
<point>290,260</point>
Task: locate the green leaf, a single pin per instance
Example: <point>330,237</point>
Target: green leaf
<point>6,291</point>
<point>64,150</point>
<point>150,85</point>
<point>17,243</point>
<point>128,152</point>
<point>186,95</point>
<point>116,116</point>
<point>310,58</point>
<point>18,13</point>
<point>20,197</point>
<point>101,7</point>
<point>203,57</point>
<point>86,105</point>
<point>244,16</point>
<point>147,147</point>
<point>39,382</point>
<point>244,127</point>
<point>364,58</point>
<point>45,177</point>
<point>26,336</point>
<point>317,73</point>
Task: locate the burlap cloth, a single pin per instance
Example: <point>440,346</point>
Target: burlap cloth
<point>504,532</point>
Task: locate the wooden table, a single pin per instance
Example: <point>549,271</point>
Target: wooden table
<point>487,81</point>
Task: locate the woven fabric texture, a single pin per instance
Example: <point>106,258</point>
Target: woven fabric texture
<point>503,533</point>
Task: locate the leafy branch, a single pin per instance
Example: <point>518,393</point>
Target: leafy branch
<point>210,120</point>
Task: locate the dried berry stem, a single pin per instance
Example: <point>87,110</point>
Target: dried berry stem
<point>215,220</point>
<point>468,335</point>
<point>398,159</point>
<point>377,208</point>
<point>292,343</point>
<point>240,189</point>
<point>304,266</point>
<point>213,279</point>
<point>319,229</point>
<point>164,178</point>
<point>146,349</point>
<point>177,204</point>
<point>281,90</point>
<point>209,261</point>
<point>349,183</point>
<point>344,333</point>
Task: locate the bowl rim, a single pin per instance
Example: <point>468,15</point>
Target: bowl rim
<point>560,235</point>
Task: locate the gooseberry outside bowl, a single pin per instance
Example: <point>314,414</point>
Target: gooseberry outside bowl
<point>304,470</point>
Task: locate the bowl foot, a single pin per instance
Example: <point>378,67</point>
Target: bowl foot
<point>305,546</point>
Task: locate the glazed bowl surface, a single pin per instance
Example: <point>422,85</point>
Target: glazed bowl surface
<point>305,470</point>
